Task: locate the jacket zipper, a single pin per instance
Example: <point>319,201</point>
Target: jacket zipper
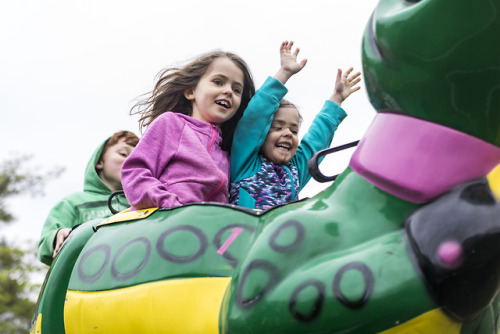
<point>212,138</point>
<point>222,182</point>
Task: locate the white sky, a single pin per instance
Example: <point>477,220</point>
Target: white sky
<point>70,70</point>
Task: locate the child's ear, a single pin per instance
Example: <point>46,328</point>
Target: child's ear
<point>99,166</point>
<point>189,93</point>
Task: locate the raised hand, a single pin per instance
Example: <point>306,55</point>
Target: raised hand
<point>289,63</point>
<point>345,85</point>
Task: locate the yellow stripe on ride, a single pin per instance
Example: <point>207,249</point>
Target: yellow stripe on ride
<point>432,322</point>
<point>494,181</point>
<point>37,327</point>
<point>174,306</point>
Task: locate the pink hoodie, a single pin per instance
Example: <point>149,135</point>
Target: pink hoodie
<point>177,161</point>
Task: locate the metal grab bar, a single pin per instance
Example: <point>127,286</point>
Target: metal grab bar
<point>313,163</point>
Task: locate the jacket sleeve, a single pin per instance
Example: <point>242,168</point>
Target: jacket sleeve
<point>62,215</point>
<point>252,129</point>
<point>143,168</point>
<point>318,137</point>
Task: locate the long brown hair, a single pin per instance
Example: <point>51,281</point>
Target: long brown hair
<point>168,93</point>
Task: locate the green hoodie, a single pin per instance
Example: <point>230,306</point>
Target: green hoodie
<point>78,208</point>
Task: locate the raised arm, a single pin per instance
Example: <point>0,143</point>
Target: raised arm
<point>320,134</point>
<point>252,129</point>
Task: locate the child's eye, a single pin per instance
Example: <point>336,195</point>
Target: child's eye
<point>237,90</point>
<point>277,128</point>
<point>294,131</point>
<point>217,82</point>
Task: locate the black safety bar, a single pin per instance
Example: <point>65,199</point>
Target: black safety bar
<point>313,163</point>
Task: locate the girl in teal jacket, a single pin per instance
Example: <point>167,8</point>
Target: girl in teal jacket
<point>102,177</point>
<point>268,166</point>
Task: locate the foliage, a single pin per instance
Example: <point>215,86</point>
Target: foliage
<point>16,179</point>
<point>18,266</point>
<point>16,306</point>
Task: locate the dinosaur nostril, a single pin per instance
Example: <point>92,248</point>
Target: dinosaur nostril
<point>450,254</point>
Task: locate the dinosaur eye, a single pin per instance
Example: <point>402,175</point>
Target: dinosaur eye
<point>412,1</point>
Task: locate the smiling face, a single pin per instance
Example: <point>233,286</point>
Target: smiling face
<point>217,96</point>
<point>282,139</point>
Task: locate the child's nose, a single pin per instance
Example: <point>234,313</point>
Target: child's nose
<point>228,89</point>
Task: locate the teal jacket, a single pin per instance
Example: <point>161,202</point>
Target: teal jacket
<point>249,167</point>
<point>78,208</point>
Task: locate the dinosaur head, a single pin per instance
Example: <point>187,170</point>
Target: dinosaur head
<point>437,60</point>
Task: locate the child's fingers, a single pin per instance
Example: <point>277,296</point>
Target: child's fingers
<point>296,52</point>
<point>354,79</point>
<point>288,45</point>
<point>357,74</point>
<point>339,75</point>
<point>283,46</point>
<point>349,70</point>
<point>355,82</point>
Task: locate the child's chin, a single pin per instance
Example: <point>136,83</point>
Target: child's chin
<point>281,161</point>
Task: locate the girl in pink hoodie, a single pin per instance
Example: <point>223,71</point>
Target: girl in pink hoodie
<point>190,118</point>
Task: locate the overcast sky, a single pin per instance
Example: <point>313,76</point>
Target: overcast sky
<point>70,71</point>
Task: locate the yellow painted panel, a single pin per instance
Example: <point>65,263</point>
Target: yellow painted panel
<point>127,215</point>
<point>174,306</point>
<point>432,322</point>
<point>494,181</point>
<point>37,328</point>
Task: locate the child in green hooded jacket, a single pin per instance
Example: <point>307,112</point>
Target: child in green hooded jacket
<point>102,177</point>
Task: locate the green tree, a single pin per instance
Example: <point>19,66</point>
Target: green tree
<point>18,265</point>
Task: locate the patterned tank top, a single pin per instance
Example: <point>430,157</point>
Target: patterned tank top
<point>272,185</point>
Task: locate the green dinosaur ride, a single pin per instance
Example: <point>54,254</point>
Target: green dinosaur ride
<point>404,241</point>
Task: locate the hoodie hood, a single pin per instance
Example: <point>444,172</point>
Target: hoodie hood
<point>92,182</point>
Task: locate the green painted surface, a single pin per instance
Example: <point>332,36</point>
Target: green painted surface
<point>168,245</point>
<point>437,60</point>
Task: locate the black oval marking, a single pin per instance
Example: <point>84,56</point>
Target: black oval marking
<point>123,276</point>
<point>369,282</point>
<point>298,240</point>
<point>318,303</point>
<point>92,278</point>
<point>180,259</point>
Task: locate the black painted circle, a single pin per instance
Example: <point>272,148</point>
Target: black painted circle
<point>369,282</point>
<point>273,279</point>
<point>123,276</point>
<point>182,259</point>
<point>218,242</point>
<point>298,240</point>
<point>92,278</point>
<point>318,303</point>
